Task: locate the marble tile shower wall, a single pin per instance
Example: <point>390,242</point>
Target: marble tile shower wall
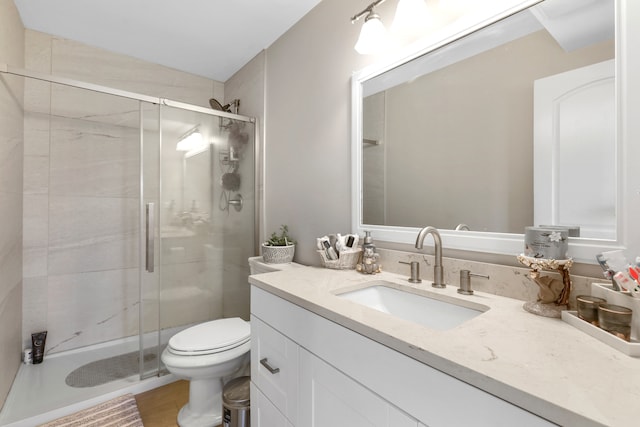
<point>11,155</point>
<point>81,189</point>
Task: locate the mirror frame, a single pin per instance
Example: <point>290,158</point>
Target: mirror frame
<point>581,249</point>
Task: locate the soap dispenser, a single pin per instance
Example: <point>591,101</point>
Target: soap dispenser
<point>368,241</point>
<point>369,263</point>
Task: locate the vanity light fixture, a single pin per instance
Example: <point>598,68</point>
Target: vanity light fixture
<point>411,16</point>
<point>190,140</point>
<point>373,35</point>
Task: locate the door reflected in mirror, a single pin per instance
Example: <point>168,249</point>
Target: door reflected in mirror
<point>471,134</point>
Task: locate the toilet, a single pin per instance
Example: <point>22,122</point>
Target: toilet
<point>209,353</point>
<point>205,354</point>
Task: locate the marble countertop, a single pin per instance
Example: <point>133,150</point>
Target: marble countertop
<point>540,364</point>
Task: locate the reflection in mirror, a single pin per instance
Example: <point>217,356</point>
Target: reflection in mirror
<point>196,185</point>
<point>211,177</point>
<point>511,126</point>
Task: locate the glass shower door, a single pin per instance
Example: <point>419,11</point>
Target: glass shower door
<point>204,219</point>
<point>150,136</point>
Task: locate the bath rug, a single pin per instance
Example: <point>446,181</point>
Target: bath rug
<point>121,412</point>
<point>110,369</point>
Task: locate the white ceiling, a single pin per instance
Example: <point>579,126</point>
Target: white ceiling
<point>210,38</point>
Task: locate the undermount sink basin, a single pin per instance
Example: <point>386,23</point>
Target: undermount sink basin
<point>404,303</point>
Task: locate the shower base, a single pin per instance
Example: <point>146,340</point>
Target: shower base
<point>39,392</point>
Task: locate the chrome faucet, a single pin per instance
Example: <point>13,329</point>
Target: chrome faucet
<point>438,272</point>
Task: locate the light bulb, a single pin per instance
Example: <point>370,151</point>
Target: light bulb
<point>412,17</point>
<point>373,36</point>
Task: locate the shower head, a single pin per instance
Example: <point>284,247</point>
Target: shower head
<point>217,106</point>
<point>227,107</point>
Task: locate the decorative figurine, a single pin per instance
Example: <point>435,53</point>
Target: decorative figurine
<point>369,264</point>
<point>553,293</point>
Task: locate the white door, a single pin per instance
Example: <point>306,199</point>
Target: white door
<point>575,126</point>
<point>329,398</point>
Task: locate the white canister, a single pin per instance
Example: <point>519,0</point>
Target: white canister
<point>27,357</point>
<point>546,243</point>
<point>574,230</point>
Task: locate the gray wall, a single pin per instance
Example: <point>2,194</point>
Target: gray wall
<point>11,152</point>
<point>307,145</point>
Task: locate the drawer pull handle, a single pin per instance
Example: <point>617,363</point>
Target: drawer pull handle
<point>271,369</point>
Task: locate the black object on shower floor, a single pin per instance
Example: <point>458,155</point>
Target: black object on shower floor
<point>110,369</point>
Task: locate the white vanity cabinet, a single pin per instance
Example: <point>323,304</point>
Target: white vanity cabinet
<point>329,398</point>
<point>346,379</point>
<point>291,385</point>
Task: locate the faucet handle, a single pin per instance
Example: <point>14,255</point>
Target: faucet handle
<point>465,281</point>
<point>415,271</point>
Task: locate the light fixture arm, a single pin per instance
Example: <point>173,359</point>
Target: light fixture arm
<point>366,11</point>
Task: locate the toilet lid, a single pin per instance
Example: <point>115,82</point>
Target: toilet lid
<point>211,337</point>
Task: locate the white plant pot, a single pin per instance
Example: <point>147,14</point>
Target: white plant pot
<point>278,254</point>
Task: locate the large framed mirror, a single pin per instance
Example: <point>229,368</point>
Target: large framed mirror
<point>508,124</point>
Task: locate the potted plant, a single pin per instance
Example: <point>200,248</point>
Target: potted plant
<point>280,248</point>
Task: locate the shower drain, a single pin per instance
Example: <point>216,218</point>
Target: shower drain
<point>110,369</point>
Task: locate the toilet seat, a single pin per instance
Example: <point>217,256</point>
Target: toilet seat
<point>211,337</point>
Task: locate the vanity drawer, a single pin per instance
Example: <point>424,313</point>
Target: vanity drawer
<point>274,367</point>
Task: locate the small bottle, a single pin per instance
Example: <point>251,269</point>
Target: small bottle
<point>328,249</point>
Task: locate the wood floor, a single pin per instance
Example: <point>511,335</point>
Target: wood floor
<point>159,407</point>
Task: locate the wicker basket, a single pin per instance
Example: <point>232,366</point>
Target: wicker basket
<point>278,254</point>
<point>346,261</point>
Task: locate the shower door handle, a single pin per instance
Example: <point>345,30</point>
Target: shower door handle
<point>150,239</point>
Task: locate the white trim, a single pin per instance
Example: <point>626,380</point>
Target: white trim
<point>628,85</point>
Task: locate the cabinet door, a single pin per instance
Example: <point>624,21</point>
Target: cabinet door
<point>264,413</point>
<point>328,398</point>
<point>274,367</point>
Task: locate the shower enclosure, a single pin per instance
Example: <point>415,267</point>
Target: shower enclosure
<point>205,221</point>
<point>139,217</point>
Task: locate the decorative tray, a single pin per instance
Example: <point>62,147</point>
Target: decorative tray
<point>625,299</point>
<point>629,348</point>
